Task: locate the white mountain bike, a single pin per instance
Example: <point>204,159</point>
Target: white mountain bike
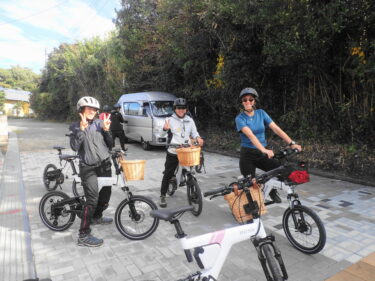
<point>302,226</point>
<point>210,250</point>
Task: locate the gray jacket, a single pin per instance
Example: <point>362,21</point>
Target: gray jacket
<point>92,144</point>
<point>182,129</point>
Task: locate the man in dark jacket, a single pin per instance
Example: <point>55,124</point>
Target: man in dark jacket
<point>92,140</point>
<point>116,126</point>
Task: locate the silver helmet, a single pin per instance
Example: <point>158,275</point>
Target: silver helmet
<point>88,101</point>
<point>249,91</point>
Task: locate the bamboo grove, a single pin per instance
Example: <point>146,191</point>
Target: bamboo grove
<point>312,62</point>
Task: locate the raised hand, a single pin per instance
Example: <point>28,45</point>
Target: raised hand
<point>166,126</point>
<point>83,124</point>
<point>106,122</point>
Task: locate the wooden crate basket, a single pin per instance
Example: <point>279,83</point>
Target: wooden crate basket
<point>133,169</point>
<point>237,201</point>
<point>188,156</point>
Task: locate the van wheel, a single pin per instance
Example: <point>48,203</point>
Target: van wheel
<point>146,145</point>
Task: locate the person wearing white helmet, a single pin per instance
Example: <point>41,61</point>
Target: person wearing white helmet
<point>91,139</point>
<point>252,124</point>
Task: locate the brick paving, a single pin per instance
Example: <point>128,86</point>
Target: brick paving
<point>31,250</point>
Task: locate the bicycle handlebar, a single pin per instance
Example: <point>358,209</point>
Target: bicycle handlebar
<point>288,152</point>
<point>183,145</point>
<point>216,191</point>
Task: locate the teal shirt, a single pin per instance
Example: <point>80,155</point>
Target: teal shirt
<point>257,124</point>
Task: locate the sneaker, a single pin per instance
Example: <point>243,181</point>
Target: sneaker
<point>102,220</point>
<point>275,196</point>
<point>89,240</point>
<point>163,202</point>
<point>183,183</point>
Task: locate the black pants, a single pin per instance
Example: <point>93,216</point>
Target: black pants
<point>251,158</point>
<point>121,136</point>
<point>96,202</point>
<point>171,163</point>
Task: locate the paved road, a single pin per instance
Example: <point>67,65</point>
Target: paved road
<point>348,211</point>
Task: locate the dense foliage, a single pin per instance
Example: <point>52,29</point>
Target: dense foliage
<point>311,61</point>
<point>18,78</point>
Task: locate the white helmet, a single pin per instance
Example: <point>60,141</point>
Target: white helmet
<point>88,101</point>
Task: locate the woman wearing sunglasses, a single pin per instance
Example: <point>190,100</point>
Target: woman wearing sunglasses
<point>252,124</point>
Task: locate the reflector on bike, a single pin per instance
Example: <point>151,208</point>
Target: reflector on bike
<point>299,176</point>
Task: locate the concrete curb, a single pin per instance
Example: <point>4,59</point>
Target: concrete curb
<point>313,171</point>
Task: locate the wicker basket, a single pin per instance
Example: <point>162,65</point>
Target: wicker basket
<point>188,156</point>
<point>133,169</point>
<point>236,203</point>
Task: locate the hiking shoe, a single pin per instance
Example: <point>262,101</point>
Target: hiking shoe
<point>102,220</point>
<point>89,240</point>
<point>275,196</point>
<point>163,202</point>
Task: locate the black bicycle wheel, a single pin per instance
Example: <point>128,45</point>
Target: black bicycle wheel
<point>77,189</point>
<point>194,195</point>
<point>51,177</point>
<point>60,218</point>
<point>304,229</point>
<point>172,186</point>
<point>133,218</point>
<point>272,263</point>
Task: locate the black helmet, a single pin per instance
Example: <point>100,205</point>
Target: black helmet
<point>107,108</point>
<point>249,91</point>
<point>117,105</point>
<point>180,102</point>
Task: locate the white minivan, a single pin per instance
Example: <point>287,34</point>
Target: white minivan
<point>144,116</point>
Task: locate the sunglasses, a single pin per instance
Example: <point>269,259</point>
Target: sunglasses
<point>180,107</point>
<point>246,100</point>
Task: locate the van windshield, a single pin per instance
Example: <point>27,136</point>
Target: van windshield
<point>162,108</point>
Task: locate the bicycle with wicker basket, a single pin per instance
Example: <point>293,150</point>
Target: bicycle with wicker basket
<point>132,217</point>
<point>188,158</point>
<point>302,226</point>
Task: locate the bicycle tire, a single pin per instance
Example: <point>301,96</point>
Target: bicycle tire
<point>63,220</point>
<point>194,196</point>
<point>198,168</point>
<point>272,263</point>
<point>136,228</point>
<point>50,183</point>
<point>172,186</point>
<point>77,189</point>
<point>304,230</point>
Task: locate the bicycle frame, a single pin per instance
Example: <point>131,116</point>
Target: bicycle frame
<point>179,174</point>
<point>273,183</point>
<point>217,245</point>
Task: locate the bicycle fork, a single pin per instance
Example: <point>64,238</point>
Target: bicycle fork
<point>269,240</point>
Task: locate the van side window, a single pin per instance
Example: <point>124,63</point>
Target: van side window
<point>126,108</point>
<point>132,108</point>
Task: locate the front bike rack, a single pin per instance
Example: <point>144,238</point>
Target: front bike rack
<point>258,244</point>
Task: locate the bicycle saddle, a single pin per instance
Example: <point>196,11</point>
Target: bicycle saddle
<point>68,157</point>
<point>168,214</point>
<point>58,147</point>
